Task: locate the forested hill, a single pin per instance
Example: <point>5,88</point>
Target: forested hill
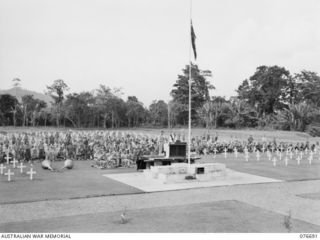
<point>21,92</point>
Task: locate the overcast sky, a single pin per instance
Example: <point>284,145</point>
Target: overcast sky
<point>142,45</point>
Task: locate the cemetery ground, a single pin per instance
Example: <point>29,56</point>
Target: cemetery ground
<point>83,200</point>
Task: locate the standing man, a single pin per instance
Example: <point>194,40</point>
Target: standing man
<point>161,142</point>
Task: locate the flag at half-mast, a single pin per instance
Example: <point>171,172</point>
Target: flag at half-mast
<point>193,42</point>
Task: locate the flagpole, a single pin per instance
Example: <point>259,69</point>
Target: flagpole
<point>189,120</point>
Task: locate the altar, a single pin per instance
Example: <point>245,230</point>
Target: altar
<point>173,153</point>
<point>173,166</point>
<point>183,172</point>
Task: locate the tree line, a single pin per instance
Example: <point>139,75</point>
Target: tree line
<point>271,98</point>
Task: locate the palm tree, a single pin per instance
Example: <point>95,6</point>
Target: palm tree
<point>297,116</point>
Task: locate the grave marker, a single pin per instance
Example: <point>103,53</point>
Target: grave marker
<point>31,173</point>
<point>2,167</point>
<point>21,166</point>
<point>8,158</point>
<point>291,155</point>
<point>281,148</point>
<point>9,173</point>
<point>258,156</point>
<point>14,162</point>
<point>311,154</point>
<point>245,150</point>
<point>274,161</point>
<point>215,152</point>
<point>236,152</point>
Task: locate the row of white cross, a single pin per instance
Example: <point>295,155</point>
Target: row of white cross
<point>263,149</point>
<point>10,173</point>
<point>274,159</point>
<point>288,152</point>
<point>14,161</point>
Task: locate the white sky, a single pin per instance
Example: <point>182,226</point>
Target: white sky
<point>142,45</point>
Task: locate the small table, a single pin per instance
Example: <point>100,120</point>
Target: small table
<point>162,160</point>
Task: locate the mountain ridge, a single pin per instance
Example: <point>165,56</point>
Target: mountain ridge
<point>19,92</point>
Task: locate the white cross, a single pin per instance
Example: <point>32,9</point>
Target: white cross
<point>296,151</point>
<point>9,173</point>
<point>298,159</point>
<point>280,156</point>
<point>274,160</point>
<point>301,153</point>
<point>21,166</point>
<point>281,148</point>
<point>236,152</point>
<point>215,151</point>
<point>258,156</point>
<point>8,158</point>
<point>247,157</point>
<point>225,152</point>
<point>310,159</point>
<point>31,172</point>
<point>291,155</point>
<point>2,167</point>
<point>14,162</point>
<point>269,156</point>
<point>263,149</point>
<point>286,161</point>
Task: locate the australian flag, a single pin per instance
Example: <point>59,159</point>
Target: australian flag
<point>193,42</point>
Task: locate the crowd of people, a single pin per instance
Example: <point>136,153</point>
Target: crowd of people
<point>203,146</point>
<point>110,149</point>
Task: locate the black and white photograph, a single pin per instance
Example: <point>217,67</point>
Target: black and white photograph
<point>157,116</point>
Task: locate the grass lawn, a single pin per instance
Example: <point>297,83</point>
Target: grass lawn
<point>214,217</point>
<point>81,181</point>
<point>265,168</point>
